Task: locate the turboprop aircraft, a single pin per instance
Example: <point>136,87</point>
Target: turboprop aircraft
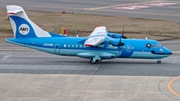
<point>99,45</point>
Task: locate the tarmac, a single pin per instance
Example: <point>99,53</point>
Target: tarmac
<point>30,75</point>
<point>105,7</point>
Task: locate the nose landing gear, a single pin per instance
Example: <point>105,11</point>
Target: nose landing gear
<point>158,61</point>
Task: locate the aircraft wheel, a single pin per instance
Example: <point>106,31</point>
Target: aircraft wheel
<point>92,62</point>
<point>158,61</point>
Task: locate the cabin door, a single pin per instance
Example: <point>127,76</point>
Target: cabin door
<point>57,48</point>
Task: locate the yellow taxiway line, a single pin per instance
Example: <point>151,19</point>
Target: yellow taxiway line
<point>169,86</point>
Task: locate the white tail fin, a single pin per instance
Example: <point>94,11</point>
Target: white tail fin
<point>22,26</point>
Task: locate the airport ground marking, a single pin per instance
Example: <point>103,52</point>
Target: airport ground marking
<point>157,14</point>
<point>137,5</point>
<point>111,6</point>
<point>169,86</point>
<point>146,5</point>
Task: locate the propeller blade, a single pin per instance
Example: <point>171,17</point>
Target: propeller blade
<point>123,31</point>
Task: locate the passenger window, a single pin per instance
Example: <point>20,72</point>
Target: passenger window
<point>64,45</point>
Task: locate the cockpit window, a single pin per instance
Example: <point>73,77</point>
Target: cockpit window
<point>148,45</point>
<point>156,45</point>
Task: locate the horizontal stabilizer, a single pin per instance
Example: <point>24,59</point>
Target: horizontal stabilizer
<point>13,9</point>
<point>14,12</point>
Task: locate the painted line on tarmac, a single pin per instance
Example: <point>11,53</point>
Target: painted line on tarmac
<point>170,88</point>
<point>110,6</point>
<point>147,5</point>
<point>157,14</point>
<point>6,57</point>
<point>127,4</point>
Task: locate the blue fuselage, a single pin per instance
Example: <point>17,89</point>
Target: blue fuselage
<point>73,46</point>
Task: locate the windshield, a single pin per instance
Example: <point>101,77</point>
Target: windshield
<point>156,45</point>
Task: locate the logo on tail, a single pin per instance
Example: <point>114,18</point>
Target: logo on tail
<point>24,29</point>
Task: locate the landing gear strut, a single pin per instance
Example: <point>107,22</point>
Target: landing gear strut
<point>93,62</point>
<point>95,59</point>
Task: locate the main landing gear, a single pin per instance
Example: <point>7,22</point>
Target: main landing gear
<point>93,62</point>
<point>95,59</point>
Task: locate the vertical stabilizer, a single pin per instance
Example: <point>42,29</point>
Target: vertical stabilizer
<point>22,26</point>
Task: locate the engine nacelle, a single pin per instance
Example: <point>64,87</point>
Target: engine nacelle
<point>114,42</point>
<point>114,35</point>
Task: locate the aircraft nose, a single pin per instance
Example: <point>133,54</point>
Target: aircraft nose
<point>167,51</point>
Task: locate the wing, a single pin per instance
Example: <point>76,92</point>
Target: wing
<point>97,36</point>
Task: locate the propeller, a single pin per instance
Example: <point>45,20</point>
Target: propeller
<point>121,43</point>
<point>123,33</point>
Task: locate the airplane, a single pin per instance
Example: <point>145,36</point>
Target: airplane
<point>99,45</point>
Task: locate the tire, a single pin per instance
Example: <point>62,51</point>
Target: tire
<point>158,62</point>
<point>92,62</point>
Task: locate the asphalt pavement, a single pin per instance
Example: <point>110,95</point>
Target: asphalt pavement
<point>157,9</point>
<point>30,75</point>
